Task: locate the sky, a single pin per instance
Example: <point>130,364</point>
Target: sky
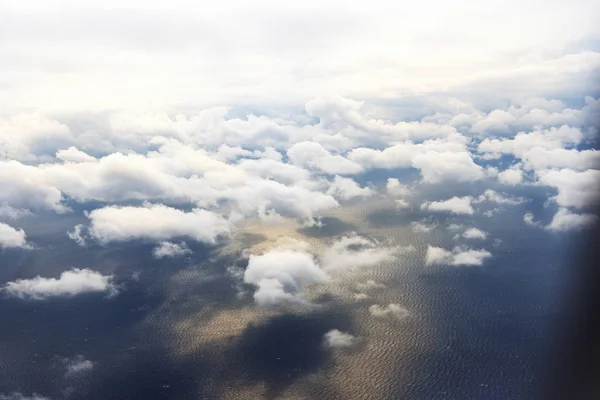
<point>191,129</point>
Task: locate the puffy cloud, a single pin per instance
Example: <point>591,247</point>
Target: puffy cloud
<point>447,166</point>
<point>394,311</point>
<point>575,189</point>
<point>7,212</point>
<point>70,283</point>
<point>338,339</point>
<point>474,233</point>
<point>512,176</point>
<point>155,222</point>
<point>73,154</point>
<point>346,189</point>
<point>169,249</point>
<point>280,274</point>
<point>565,220</point>
<point>315,157</point>
<point>352,252</point>
<point>458,256</point>
<point>78,365</point>
<point>492,196</point>
<point>11,237</point>
<point>397,189</point>
<point>549,139</point>
<point>370,285</point>
<point>454,205</point>
<point>422,227</point>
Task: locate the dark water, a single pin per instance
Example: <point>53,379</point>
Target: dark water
<point>479,333</point>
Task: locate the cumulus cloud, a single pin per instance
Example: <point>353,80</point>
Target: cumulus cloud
<point>454,205</point>
<point>394,311</point>
<point>370,285</point>
<point>458,256</point>
<point>73,154</point>
<point>70,283</point>
<point>338,339</point>
<point>512,176</point>
<point>422,227</point>
<point>474,233</point>
<point>346,189</point>
<point>280,274</point>
<point>314,156</point>
<point>168,249</point>
<point>575,189</point>
<point>12,237</point>
<point>396,189</point>
<point>77,365</point>
<point>351,252</point>
<point>565,220</point>
<point>155,222</point>
<point>492,196</point>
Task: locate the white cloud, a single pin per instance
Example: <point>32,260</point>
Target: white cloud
<point>351,252</point>
<point>370,285</point>
<point>70,283</point>
<point>575,189</point>
<point>529,220</point>
<point>78,365</point>
<point>474,233</point>
<point>21,396</point>
<point>454,205</point>
<point>280,274</point>
<point>346,189</point>
<point>397,189</point>
<point>169,249</point>
<point>338,339</point>
<point>458,256</point>
<point>12,237</point>
<point>78,234</point>
<point>314,156</point>
<point>512,176</point>
<point>392,310</point>
<point>7,212</point>
<point>565,220</point>
<point>73,154</point>
<point>422,227</point>
<point>155,222</point>
<point>492,196</point>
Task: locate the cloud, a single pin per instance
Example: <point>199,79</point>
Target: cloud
<point>351,252</point>
<point>337,339</point>
<point>575,189</point>
<point>7,212</point>
<point>11,237</point>
<point>77,365</point>
<point>70,283</point>
<point>454,205</point>
<point>458,256</point>
<point>169,249</point>
<point>346,189</point>
<point>474,233</point>
<point>492,196</point>
<point>315,157</point>
<point>21,396</point>
<point>394,311</point>
<point>370,285</point>
<point>565,220</point>
<point>422,227</point>
<point>529,220</point>
<point>512,176</point>
<point>78,234</point>
<point>155,222</point>
<point>396,189</point>
<point>280,274</point>
<point>73,154</point>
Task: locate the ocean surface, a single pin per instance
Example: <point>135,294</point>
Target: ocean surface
<point>184,329</point>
